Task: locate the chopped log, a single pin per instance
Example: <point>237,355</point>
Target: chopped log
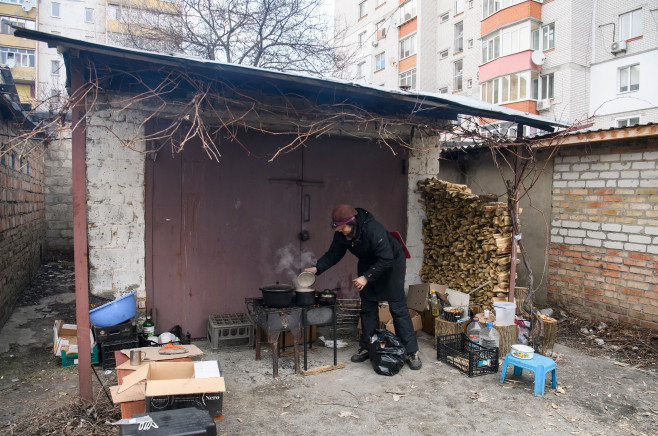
<point>443,327</point>
<point>508,337</point>
<point>544,332</point>
<point>320,369</point>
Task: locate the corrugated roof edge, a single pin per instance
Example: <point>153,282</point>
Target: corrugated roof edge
<point>460,103</point>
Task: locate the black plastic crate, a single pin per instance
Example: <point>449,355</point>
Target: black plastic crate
<point>465,355</point>
<point>108,349</point>
<point>117,332</point>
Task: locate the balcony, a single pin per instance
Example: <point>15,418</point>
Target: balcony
<point>512,14</point>
<point>506,65</point>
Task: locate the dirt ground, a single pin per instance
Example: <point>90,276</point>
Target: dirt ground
<point>601,389</point>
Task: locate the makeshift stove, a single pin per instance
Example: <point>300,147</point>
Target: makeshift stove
<point>294,319</point>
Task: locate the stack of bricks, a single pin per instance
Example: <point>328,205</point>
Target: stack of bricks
<point>604,232</point>
<point>22,223</point>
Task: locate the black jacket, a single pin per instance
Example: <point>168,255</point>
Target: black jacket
<point>381,258</point>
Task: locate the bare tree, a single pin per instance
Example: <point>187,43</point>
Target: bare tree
<point>284,35</point>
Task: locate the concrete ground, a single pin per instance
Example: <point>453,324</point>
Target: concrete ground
<point>596,395</point>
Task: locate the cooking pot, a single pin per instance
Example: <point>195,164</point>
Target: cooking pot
<point>277,295</point>
<point>327,297</point>
<point>304,296</point>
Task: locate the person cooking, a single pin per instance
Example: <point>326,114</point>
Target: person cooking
<point>381,269</point>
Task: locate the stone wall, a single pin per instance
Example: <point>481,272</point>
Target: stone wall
<point>115,204</point>
<point>604,233</point>
<point>22,221</point>
<point>59,196</point>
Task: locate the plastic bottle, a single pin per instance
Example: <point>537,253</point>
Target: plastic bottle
<point>148,326</point>
<point>473,331</point>
<point>434,303</point>
<point>489,336</point>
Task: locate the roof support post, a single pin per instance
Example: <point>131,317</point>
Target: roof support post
<point>515,213</point>
<point>80,251</point>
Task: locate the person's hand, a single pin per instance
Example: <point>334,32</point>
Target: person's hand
<point>360,283</point>
<point>312,270</point>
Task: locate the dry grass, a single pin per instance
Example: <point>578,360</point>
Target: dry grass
<point>73,419</point>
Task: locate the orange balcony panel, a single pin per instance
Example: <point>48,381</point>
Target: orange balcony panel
<point>529,106</point>
<point>510,15</point>
<point>407,63</point>
<point>409,27</point>
<point>507,65</point>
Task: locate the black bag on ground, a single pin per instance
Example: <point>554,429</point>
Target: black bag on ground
<point>386,352</point>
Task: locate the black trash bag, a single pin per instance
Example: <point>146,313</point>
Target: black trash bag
<point>386,352</point>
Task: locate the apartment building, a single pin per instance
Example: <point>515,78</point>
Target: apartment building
<point>17,53</point>
<point>565,59</point>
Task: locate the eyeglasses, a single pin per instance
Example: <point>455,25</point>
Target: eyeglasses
<point>335,224</point>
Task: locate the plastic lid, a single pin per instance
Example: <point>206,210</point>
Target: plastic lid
<point>475,318</point>
<point>489,324</point>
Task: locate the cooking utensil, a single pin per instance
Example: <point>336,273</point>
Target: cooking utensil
<point>304,296</point>
<point>172,349</point>
<point>480,287</point>
<point>306,279</point>
<point>277,295</point>
<point>327,297</point>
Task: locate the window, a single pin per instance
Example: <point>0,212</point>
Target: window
<point>630,24</point>
<point>548,37</point>
<point>378,3</point>
<point>5,25</point>
<point>490,48</point>
<point>505,89</point>
<point>470,83</point>
<point>408,47</point>
<point>458,69</point>
<point>470,43</point>
<point>22,57</point>
<point>628,122</point>
<point>629,78</point>
<point>381,30</point>
<point>54,9</point>
<point>444,54</point>
<point>470,4</point>
<point>361,70</point>
<point>459,6</point>
<point>459,37</point>
<point>54,68</point>
<point>362,38</point>
<point>380,61</point>
<point>363,9</point>
<point>89,15</point>
<point>408,78</point>
<point>445,18</point>
<point>490,7</point>
<point>114,12</point>
<point>547,86</point>
<point>407,11</point>
<point>443,90</point>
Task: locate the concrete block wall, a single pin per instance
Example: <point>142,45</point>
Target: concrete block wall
<point>22,223</point>
<point>603,261</point>
<point>59,195</point>
<point>115,204</point>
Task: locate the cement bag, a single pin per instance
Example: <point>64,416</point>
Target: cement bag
<point>386,353</point>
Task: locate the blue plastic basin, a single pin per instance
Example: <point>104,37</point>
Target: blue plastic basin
<point>115,312</point>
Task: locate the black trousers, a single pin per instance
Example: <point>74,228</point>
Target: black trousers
<point>404,328</point>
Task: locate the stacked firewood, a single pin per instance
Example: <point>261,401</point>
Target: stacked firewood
<point>467,240</point>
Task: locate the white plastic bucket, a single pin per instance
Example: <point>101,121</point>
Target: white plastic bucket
<point>504,313</point>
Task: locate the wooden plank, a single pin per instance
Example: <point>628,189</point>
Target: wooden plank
<point>326,368</point>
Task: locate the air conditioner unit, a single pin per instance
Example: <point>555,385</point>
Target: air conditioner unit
<point>375,43</point>
<point>618,46</point>
<point>543,105</point>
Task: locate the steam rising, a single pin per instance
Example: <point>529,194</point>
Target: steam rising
<point>290,261</point>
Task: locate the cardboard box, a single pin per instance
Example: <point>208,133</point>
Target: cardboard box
<point>174,385</point>
<point>428,321</point>
<point>416,320</point>
<point>65,338</point>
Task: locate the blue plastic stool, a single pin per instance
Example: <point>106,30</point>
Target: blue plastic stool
<point>540,365</point>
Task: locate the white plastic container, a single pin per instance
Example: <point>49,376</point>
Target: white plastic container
<point>505,312</point>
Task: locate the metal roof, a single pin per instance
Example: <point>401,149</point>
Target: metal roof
<point>373,99</point>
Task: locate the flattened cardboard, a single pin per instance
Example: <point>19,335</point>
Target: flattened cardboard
<point>134,393</point>
<point>152,355</point>
<point>457,298</point>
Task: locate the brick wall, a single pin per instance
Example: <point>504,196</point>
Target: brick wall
<point>22,222</point>
<point>603,260</point>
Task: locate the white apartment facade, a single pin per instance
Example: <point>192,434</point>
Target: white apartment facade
<point>549,57</point>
